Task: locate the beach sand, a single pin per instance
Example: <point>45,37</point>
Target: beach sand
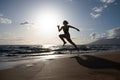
<point>102,66</point>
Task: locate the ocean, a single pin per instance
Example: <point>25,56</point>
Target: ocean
<point>40,50</point>
<point>16,55</point>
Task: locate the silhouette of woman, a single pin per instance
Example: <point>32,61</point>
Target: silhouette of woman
<point>66,34</point>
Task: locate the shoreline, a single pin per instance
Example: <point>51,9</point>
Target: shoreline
<point>83,67</point>
<point>17,61</point>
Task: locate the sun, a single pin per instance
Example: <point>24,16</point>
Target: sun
<point>47,21</point>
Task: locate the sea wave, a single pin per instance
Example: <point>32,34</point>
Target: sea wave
<point>39,50</point>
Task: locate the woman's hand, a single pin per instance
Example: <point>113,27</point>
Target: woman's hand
<point>78,30</point>
<point>58,26</point>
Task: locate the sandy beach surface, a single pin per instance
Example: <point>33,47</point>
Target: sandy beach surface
<point>104,66</point>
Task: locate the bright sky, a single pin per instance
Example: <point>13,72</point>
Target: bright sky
<point>35,21</point>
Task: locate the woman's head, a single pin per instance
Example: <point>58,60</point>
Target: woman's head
<point>65,22</point>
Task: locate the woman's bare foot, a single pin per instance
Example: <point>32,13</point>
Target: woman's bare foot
<point>64,43</point>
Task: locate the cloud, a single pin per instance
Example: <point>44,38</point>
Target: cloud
<point>69,0</point>
<point>93,35</point>
<point>95,15</point>
<point>26,23</point>
<point>5,20</point>
<point>109,34</point>
<point>113,33</point>
<point>107,1</point>
<point>97,11</point>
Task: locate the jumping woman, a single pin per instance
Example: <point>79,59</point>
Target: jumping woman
<point>66,34</point>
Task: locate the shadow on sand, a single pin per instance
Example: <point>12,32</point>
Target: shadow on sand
<point>96,62</point>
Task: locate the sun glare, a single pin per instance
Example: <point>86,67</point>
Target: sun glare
<point>46,22</point>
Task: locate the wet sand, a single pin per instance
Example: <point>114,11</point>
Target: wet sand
<point>104,66</point>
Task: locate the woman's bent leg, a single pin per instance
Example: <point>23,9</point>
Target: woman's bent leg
<point>62,38</point>
<point>71,42</point>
